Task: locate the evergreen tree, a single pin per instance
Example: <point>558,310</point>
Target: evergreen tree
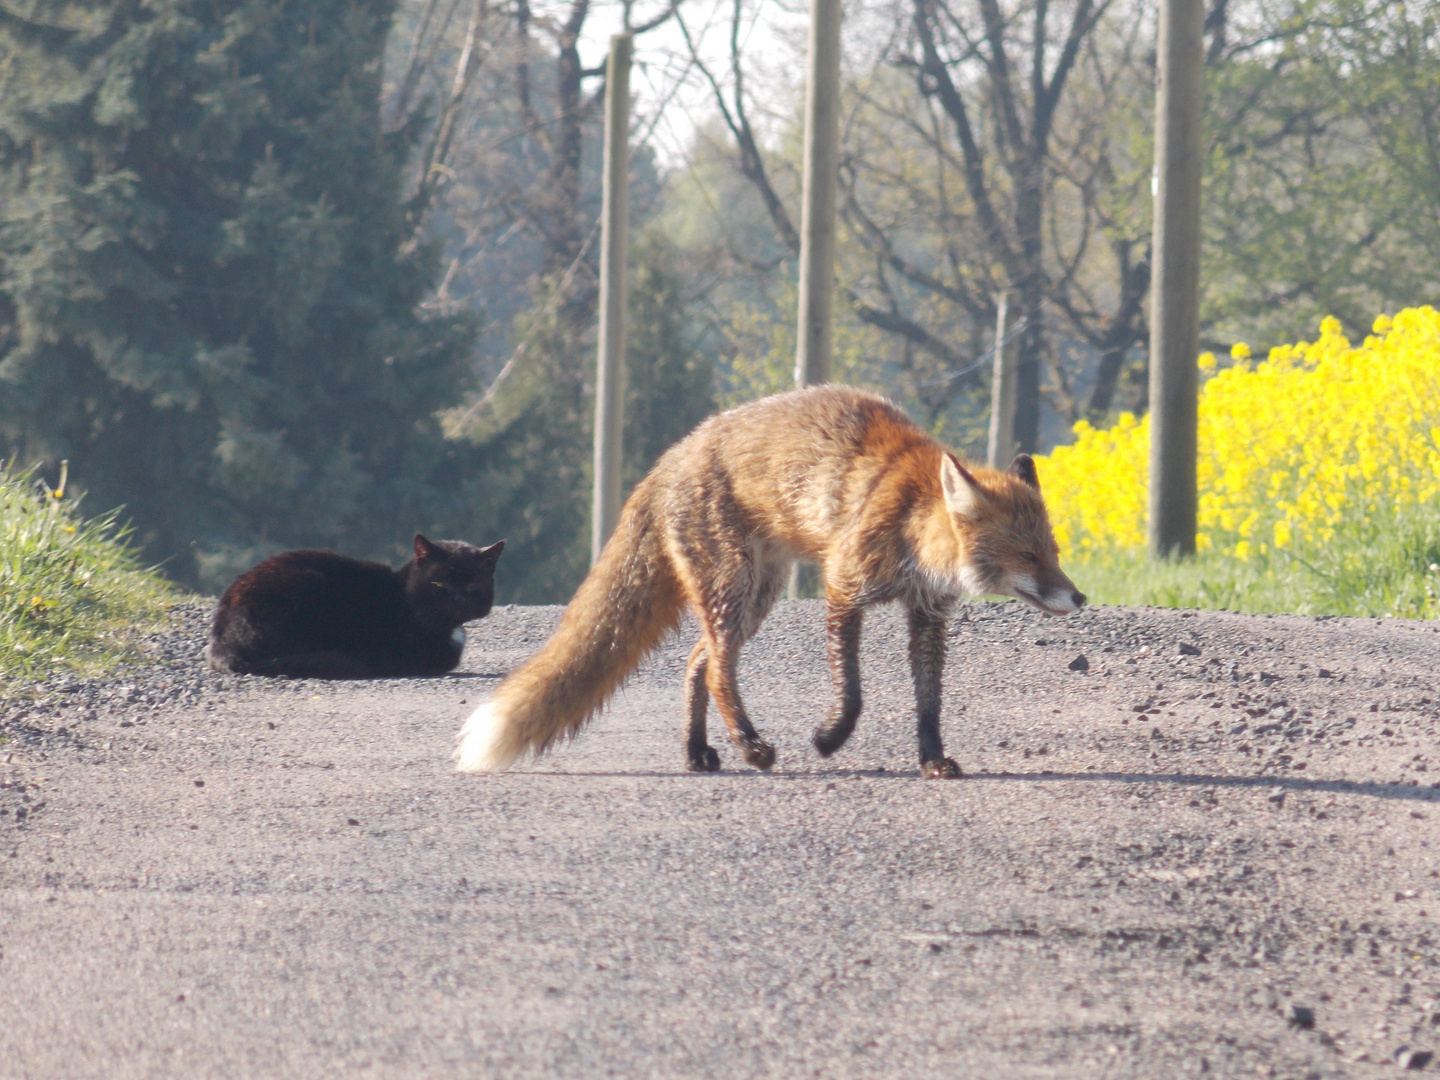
<point>208,282</point>
<point>670,384</point>
<point>531,442</point>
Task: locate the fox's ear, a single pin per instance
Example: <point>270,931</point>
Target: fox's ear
<point>424,549</point>
<point>1024,467</point>
<point>962,491</point>
<point>492,553</point>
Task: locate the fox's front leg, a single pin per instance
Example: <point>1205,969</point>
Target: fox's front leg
<point>927,664</point>
<point>842,638</point>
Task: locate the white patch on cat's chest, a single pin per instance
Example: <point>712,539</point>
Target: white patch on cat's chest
<point>457,637</point>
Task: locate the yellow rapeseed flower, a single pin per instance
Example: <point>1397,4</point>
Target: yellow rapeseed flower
<point>1290,448</point>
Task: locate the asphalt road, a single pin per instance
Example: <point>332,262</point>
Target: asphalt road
<point>1213,852</point>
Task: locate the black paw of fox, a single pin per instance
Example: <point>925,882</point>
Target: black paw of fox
<point>831,736</point>
<point>940,769</point>
<point>707,760</point>
<point>758,753</point>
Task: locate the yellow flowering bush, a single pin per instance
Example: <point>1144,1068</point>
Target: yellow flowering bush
<point>1319,448</point>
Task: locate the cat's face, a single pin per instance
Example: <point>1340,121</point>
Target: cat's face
<point>451,582</point>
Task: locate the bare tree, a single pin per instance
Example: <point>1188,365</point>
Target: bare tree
<point>483,78</point>
<point>878,308</point>
<point>1004,74</point>
<point>997,176</point>
<point>1099,220</point>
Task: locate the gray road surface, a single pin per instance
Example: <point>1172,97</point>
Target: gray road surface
<point>1149,866</point>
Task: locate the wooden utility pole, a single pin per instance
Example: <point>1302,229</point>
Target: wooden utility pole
<point>1175,295</point>
<point>817,213</point>
<point>817,206</point>
<point>1002,392</point>
<point>614,249</point>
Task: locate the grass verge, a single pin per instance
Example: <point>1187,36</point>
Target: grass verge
<point>1389,569</point>
<point>73,592</point>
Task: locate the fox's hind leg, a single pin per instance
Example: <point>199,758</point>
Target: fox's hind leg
<point>723,655</point>
<point>731,600</point>
<point>700,756</point>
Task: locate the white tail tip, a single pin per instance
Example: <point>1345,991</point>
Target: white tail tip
<point>478,749</point>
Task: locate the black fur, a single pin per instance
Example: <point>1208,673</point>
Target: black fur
<point>319,615</point>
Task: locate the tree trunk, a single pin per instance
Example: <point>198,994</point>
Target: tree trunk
<point>1029,207</point>
<point>1107,378</point>
<point>566,234</point>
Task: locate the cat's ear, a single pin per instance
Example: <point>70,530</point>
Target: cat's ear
<point>492,553</point>
<point>424,549</point>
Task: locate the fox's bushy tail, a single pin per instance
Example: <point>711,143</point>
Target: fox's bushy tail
<point>624,608</point>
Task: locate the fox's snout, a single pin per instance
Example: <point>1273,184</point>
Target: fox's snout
<point>1061,598</point>
<point>1060,602</point>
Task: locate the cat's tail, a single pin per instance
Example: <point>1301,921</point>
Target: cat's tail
<point>624,608</point>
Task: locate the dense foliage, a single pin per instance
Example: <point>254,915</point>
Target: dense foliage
<point>208,279</point>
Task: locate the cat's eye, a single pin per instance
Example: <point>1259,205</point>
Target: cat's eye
<point>1028,556</point>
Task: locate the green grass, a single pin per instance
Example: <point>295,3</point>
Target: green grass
<point>1374,568</point>
<point>73,592</point>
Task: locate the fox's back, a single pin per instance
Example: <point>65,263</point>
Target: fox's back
<point>796,466</point>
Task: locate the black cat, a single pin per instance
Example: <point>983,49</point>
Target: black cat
<point>319,615</point>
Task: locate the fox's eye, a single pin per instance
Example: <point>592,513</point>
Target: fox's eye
<point>1028,556</point>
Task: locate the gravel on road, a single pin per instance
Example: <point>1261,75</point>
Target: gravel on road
<point>1186,844</point>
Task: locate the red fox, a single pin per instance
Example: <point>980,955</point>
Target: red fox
<point>827,473</point>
